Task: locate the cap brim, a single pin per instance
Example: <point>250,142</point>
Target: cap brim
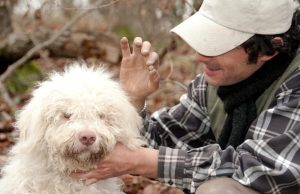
<point>207,37</point>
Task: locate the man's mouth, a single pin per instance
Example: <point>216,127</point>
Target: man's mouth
<point>211,70</point>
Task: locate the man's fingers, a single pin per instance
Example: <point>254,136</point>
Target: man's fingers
<point>153,63</point>
<point>125,49</point>
<point>77,174</point>
<point>83,175</point>
<point>90,181</point>
<point>137,45</point>
<point>154,78</point>
<point>146,46</point>
<point>153,60</point>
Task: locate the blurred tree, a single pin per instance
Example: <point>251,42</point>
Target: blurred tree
<point>5,20</point>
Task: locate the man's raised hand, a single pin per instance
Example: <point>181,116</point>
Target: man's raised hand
<point>139,75</point>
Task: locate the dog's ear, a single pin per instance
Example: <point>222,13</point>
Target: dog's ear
<point>132,125</point>
<point>32,125</point>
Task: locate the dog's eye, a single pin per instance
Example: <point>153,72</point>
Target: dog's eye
<point>107,119</point>
<point>66,115</point>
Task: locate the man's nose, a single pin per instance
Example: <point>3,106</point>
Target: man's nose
<point>202,58</point>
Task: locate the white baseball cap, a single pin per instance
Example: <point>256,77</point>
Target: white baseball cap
<point>221,25</point>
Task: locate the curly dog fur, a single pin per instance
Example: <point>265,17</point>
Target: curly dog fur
<point>72,121</point>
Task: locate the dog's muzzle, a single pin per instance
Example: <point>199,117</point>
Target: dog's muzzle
<point>86,147</point>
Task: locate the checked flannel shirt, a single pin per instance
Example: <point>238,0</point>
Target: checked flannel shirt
<point>268,160</point>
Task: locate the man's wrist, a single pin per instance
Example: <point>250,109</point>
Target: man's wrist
<point>144,110</point>
<point>138,103</point>
<point>146,162</point>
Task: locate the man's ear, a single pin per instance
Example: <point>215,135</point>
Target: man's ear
<point>277,42</point>
<point>265,58</point>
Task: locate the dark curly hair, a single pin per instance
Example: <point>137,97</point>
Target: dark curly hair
<point>262,44</point>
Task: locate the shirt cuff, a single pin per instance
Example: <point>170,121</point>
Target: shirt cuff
<point>171,166</point>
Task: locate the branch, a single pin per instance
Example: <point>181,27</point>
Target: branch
<point>6,98</point>
<point>93,7</point>
<point>190,5</point>
<point>41,53</point>
<point>179,84</point>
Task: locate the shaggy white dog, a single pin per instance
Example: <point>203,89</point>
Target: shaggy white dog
<point>72,121</point>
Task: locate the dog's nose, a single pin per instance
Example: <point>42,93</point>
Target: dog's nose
<point>87,137</point>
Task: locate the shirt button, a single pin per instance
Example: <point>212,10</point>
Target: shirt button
<point>170,182</point>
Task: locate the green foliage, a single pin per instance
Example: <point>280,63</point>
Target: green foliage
<point>23,78</point>
<point>124,31</point>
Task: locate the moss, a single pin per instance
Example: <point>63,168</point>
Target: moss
<point>124,31</point>
<point>23,78</point>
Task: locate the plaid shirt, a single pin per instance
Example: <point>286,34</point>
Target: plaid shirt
<point>268,160</point>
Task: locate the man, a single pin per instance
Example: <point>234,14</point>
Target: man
<point>237,128</point>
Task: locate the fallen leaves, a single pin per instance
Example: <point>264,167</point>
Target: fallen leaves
<point>142,185</point>
<point>6,127</point>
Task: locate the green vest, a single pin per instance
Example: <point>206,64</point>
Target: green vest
<point>216,108</point>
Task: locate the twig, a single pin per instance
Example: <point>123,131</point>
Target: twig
<point>5,96</point>
<point>168,78</point>
<point>181,85</point>
<point>190,5</point>
<point>41,53</point>
<point>171,68</point>
<point>90,8</point>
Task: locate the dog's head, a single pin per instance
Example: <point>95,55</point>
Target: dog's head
<point>77,117</point>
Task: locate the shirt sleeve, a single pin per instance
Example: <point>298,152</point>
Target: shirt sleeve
<point>268,160</point>
<point>184,126</point>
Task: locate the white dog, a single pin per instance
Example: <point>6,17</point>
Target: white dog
<point>72,121</point>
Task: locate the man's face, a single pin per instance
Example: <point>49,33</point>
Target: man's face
<point>228,68</point>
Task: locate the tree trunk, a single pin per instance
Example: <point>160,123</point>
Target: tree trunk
<point>5,20</point>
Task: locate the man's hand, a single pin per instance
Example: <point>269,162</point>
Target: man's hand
<point>138,74</point>
<point>122,160</point>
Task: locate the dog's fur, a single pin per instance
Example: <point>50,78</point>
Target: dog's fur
<point>79,99</point>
